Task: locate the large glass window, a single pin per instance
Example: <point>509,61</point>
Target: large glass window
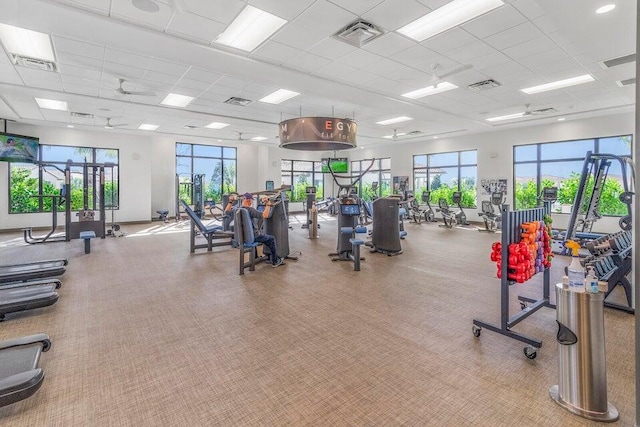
<point>300,174</point>
<point>560,164</point>
<point>445,173</point>
<point>217,164</point>
<point>380,174</point>
<point>46,177</point>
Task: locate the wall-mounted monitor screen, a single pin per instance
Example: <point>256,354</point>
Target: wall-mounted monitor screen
<point>18,148</point>
<point>339,165</point>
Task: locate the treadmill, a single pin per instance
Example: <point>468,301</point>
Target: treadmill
<point>22,296</point>
<point>32,270</point>
<point>20,376</point>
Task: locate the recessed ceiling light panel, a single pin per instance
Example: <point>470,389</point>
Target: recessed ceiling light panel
<point>175,100</point>
<point>430,90</point>
<point>52,104</point>
<point>23,42</point>
<point>559,84</point>
<point>259,138</point>
<point>146,126</point>
<point>279,96</point>
<point>252,27</point>
<point>394,120</point>
<point>606,8</point>
<point>217,125</point>
<point>452,14</point>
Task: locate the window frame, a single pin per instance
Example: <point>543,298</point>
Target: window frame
<point>376,168</point>
<point>426,169</point>
<point>315,171</point>
<point>223,160</point>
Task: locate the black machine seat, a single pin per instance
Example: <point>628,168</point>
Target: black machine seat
<point>32,270</point>
<point>20,376</point>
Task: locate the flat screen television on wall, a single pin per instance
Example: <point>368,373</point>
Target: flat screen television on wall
<point>339,165</point>
<point>18,148</point>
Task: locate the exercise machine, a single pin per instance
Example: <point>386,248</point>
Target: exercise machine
<point>585,211</point>
<point>17,296</point>
<point>20,376</point>
<point>387,230</point>
<point>194,188</point>
<point>277,221</point>
<point>488,213</point>
<point>32,270</point>
<point>448,216</point>
<point>309,203</point>
<point>210,233</point>
<point>461,217</point>
<point>429,214</point>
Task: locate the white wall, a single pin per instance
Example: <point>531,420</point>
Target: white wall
<point>147,162</point>
<point>495,151</point>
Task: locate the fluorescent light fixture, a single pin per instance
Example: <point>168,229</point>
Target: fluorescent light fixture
<point>250,29</point>
<point>559,84</point>
<point>23,42</point>
<point>175,100</point>
<point>561,119</point>
<point>146,126</point>
<point>606,8</point>
<point>397,134</point>
<point>217,125</point>
<point>430,90</point>
<point>279,96</point>
<point>394,120</point>
<point>52,104</point>
<point>450,15</point>
<point>259,138</point>
<point>69,126</point>
<point>507,117</point>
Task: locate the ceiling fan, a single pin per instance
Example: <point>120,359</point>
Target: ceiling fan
<point>120,90</point>
<point>438,75</point>
<point>113,126</point>
<point>528,111</point>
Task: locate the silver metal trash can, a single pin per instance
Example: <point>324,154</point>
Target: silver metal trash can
<point>582,368</point>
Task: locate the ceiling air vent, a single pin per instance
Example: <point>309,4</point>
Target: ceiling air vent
<point>36,64</point>
<point>483,85</point>
<point>414,133</point>
<point>549,110</point>
<point>234,100</point>
<point>189,127</point>
<point>358,33</point>
<point>81,115</point>
<point>614,62</point>
<point>626,82</point>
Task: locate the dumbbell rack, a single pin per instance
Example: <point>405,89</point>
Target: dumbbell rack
<point>511,224</point>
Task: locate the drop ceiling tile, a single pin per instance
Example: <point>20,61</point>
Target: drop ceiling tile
<point>359,58</point>
<point>195,27</point>
<point>336,70</point>
<point>297,36</point>
<point>126,58</point>
<point>27,109</point>
<point>325,18</point>
<point>546,57</point>
<point>393,14</point>
<point>201,75</point>
<point>158,20</point>
<point>221,93</point>
<point>470,51</point>
<point>114,71</point>
<point>82,90</point>
<point>71,70</point>
<point>233,82</point>
<point>491,60</point>
<point>545,24</point>
<point>514,36</point>
<point>449,40</point>
<point>418,57</point>
<point>44,84</point>
<point>223,11</point>
<point>101,6</point>
<point>275,52</point>
<point>9,75</point>
<point>165,67</point>
<point>389,44</point>
<point>31,74</point>
<point>530,47</point>
<point>388,68</point>
<point>154,76</point>
<point>529,8</point>
<point>82,81</point>
<point>331,48</point>
<point>497,20</point>
<point>193,84</point>
<point>80,61</point>
<point>286,9</point>
<point>359,77</point>
<point>307,61</point>
<point>90,50</point>
<point>357,7</point>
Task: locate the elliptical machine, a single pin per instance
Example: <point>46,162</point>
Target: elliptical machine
<point>461,217</point>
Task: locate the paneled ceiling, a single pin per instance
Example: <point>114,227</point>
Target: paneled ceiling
<point>520,44</point>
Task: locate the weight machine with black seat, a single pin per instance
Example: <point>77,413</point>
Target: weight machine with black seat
<point>195,189</point>
<point>488,213</point>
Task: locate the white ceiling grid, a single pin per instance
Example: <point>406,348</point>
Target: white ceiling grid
<point>519,44</point>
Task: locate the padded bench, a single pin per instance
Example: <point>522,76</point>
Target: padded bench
<point>87,236</point>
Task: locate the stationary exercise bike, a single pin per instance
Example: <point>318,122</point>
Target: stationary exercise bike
<point>461,217</point>
<point>429,214</point>
<point>448,216</point>
<point>492,220</point>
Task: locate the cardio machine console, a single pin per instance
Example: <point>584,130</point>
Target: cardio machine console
<point>350,210</point>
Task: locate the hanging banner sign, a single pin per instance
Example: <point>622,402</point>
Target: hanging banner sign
<point>318,133</point>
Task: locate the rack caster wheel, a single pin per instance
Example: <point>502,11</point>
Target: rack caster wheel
<point>522,305</point>
<point>530,352</point>
<point>476,331</point>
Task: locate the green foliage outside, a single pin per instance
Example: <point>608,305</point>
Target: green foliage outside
<point>24,186</point>
<point>440,190</point>
<point>298,191</point>
<point>527,194</point>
